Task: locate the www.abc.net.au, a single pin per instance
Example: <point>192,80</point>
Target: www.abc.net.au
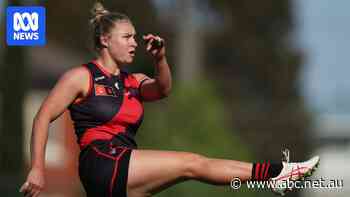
<point>289,184</point>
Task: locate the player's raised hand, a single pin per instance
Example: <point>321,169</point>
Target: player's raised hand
<point>155,45</point>
<point>34,184</point>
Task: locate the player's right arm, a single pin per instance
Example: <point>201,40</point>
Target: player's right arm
<point>72,85</point>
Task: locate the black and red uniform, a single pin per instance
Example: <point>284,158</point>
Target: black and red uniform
<point>105,123</point>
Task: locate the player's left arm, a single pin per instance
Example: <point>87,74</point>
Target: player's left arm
<point>159,86</point>
<point>152,89</point>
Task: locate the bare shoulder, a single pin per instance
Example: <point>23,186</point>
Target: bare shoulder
<point>77,72</point>
<point>76,78</point>
<point>76,75</point>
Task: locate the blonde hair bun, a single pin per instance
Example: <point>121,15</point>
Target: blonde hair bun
<point>97,12</point>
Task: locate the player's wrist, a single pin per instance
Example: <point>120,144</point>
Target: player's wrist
<point>161,60</point>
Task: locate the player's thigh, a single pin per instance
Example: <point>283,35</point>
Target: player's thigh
<point>152,171</point>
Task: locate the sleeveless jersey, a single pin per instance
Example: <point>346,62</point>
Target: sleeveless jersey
<point>112,109</point>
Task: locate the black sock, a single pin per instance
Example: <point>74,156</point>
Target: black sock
<point>266,170</point>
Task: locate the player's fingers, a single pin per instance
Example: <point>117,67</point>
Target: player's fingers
<point>148,36</point>
<point>149,46</point>
<point>160,41</point>
<point>158,38</point>
<point>34,190</point>
<point>24,187</point>
<point>29,192</point>
<point>36,193</point>
<point>154,52</point>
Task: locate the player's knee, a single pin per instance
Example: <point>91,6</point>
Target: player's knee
<point>194,165</point>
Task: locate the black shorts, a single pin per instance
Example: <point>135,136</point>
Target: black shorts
<point>103,169</point>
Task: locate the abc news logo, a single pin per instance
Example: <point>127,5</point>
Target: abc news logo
<point>29,29</point>
<point>26,26</point>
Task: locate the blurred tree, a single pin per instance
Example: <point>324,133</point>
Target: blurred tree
<point>13,89</point>
<point>189,45</point>
<point>257,66</point>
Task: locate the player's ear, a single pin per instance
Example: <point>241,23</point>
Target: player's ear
<point>104,40</point>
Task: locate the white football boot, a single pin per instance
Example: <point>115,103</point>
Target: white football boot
<point>293,172</point>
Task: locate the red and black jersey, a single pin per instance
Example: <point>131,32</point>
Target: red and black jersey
<point>112,109</point>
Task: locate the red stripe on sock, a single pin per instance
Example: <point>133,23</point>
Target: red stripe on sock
<point>267,169</point>
<point>262,171</point>
<point>257,170</point>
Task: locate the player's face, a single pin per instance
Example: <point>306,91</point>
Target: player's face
<point>121,42</point>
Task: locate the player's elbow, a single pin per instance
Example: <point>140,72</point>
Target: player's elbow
<point>165,92</point>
